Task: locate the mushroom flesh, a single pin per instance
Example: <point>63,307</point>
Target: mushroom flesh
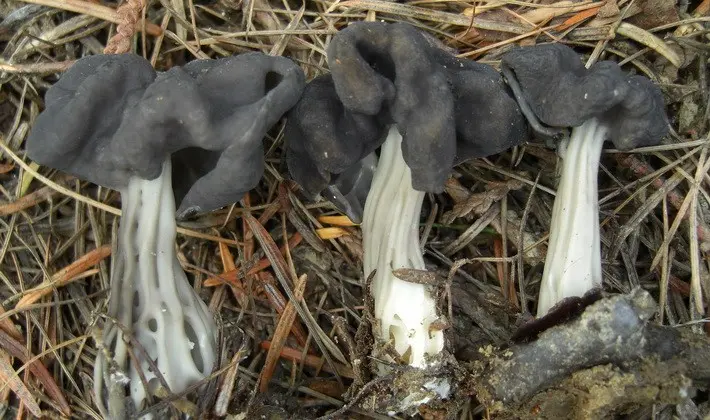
<point>600,103</point>
<point>190,136</point>
<point>395,87</point>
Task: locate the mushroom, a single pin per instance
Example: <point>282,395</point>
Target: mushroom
<point>600,103</point>
<point>392,86</point>
<point>191,135</point>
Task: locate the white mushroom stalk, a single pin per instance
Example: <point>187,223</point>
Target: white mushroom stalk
<point>153,302</point>
<point>390,227</point>
<point>573,263</point>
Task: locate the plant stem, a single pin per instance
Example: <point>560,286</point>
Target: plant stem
<point>573,263</point>
<point>391,240</point>
<point>152,299</point>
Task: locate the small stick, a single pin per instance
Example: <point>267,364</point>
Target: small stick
<point>37,68</point>
<point>96,10</point>
<point>128,14</point>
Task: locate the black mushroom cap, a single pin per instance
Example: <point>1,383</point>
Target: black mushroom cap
<point>111,117</point>
<point>562,92</point>
<point>324,139</point>
<point>447,110</point>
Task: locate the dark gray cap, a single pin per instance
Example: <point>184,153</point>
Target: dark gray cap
<point>562,92</point>
<point>111,117</point>
<point>447,110</point>
<point>324,139</point>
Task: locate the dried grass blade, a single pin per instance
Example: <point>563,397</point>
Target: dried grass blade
<point>544,14</point>
<point>635,220</point>
<point>681,215</point>
<point>272,253</point>
<point>470,234</point>
<point>279,303</point>
<point>26,201</point>
<point>304,229</point>
<point>293,242</point>
<point>280,46</point>
<point>280,335</point>
<point>232,277</point>
<point>5,390</point>
<point>313,361</point>
<point>65,276</point>
<point>343,221</point>
<point>650,40</point>
<point>433,15</point>
<point>228,264</point>
<point>7,325</point>
<point>224,397</point>
<point>326,341</point>
<point>643,171</point>
<point>697,292</point>
<point>248,248</point>
<point>15,349</point>
<point>665,271</point>
<point>267,214</point>
<point>578,18</point>
<point>281,269</point>
<point>702,9</point>
<point>227,258</point>
<point>331,232</point>
<point>27,178</point>
<point>9,378</point>
<point>506,286</point>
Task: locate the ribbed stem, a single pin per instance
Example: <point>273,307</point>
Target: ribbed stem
<point>151,298</point>
<point>391,240</point>
<point>573,263</point>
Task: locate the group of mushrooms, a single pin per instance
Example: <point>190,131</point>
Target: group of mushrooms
<point>191,139</point>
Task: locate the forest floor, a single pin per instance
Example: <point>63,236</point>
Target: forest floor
<point>654,205</point>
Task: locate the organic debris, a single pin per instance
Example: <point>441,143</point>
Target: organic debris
<point>284,273</point>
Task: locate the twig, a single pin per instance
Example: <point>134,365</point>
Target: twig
<point>92,9</point>
<point>128,15</point>
<point>40,69</point>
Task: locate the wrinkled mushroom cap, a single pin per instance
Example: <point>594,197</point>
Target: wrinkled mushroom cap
<point>447,110</point>
<point>562,92</point>
<point>326,139</point>
<point>111,117</point>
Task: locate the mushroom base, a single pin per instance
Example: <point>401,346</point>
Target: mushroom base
<point>573,262</point>
<point>405,311</point>
<point>154,315</point>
